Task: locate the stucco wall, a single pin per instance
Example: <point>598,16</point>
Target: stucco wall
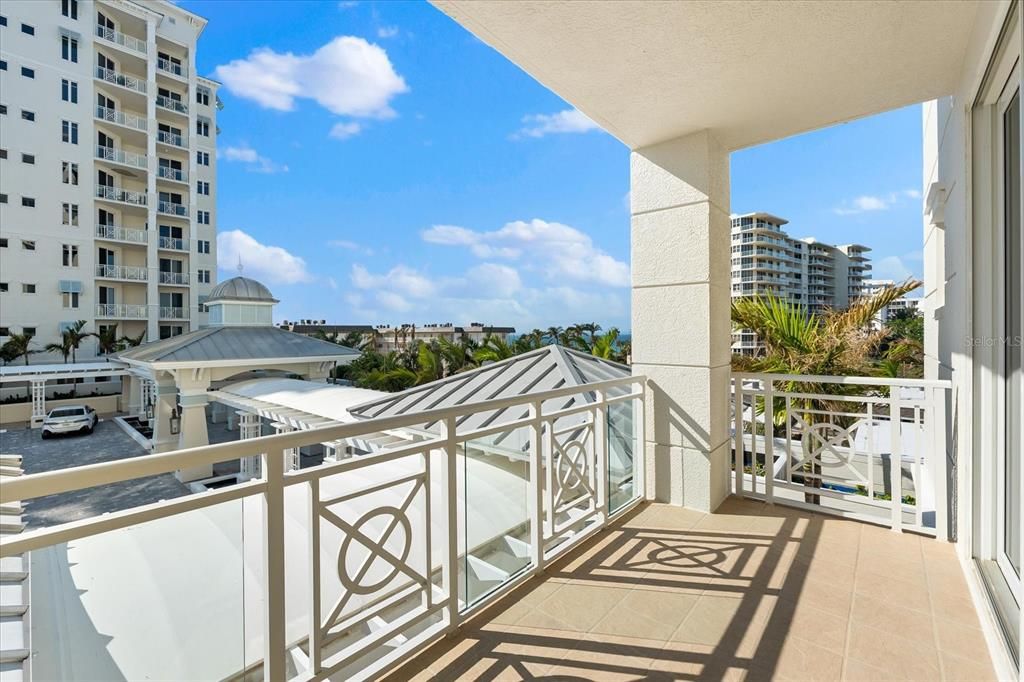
<point>22,412</point>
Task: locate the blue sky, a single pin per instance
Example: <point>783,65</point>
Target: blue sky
<point>379,164</point>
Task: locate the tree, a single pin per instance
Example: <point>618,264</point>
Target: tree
<point>106,340</point>
<point>555,335</point>
<point>19,346</point>
<point>75,336</point>
<point>906,324</point>
<point>837,343</point>
<point>63,348</point>
<point>494,349</point>
<point>132,341</point>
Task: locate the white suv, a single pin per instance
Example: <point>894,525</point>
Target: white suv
<point>68,419</point>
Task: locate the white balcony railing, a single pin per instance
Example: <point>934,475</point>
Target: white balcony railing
<point>173,313</point>
<point>167,66</point>
<point>121,234</point>
<point>172,138</point>
<point>172,104</point>
<point>172,208</point>
<point>168,173</point>
<point>831,444</point>
<point>116,155</point>
<point>173,277</point>
<point>122,79</point>
<point>174,243</point>
<point>118,38</point>
<point>355,565</point>
<point>122,195</point>
<point>127,272</point>
<point>120,117</point>
<point>121,311</point>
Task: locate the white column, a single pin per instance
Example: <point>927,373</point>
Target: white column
<point>38,388</point>
<point>291,455</point>
<point>680,325</point>
<point>217,412</point>
<point>133,394</point>
<point>166,400</point>
<point>193,432</point>
<point>248,428</point>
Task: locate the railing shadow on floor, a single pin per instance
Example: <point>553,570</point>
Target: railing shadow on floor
<point>764,570</point>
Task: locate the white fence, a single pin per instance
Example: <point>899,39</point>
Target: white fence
<point>831,444</point>
<point>358,564</point>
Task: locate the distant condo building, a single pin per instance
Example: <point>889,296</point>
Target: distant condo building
<point>388,338</point>
<point>766,260</point>
<point>873,286</point>
<point>107,170</point>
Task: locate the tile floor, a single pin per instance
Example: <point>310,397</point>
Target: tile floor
<point>750,592</point>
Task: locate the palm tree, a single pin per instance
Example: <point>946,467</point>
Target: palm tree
<point>132,341</point>
<point>431,363</point>
<point>106,340</point>
<point>19,346</point>
<point>75,336</point>
<point>606,345</point>
<point>63,348</point>
<point>493,349</point>
<point>837,343</point>
<point>458,355</point>
<point>354,340</point>
<point>555,335</point>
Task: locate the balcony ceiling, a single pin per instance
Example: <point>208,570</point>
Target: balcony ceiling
<point>749,71</point>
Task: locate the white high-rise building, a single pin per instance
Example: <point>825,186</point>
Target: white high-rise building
<point>108,169</point>
<point>766,260</point>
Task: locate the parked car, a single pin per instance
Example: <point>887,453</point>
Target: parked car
<point>72,418</point>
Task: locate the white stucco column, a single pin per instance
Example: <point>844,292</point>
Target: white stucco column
<point>217,412</point>
<point>680,326</point>
<point>291,455</point>
<point>193,431</point>
<point>38,391</point>
<point>248,428</point>
<point>131,392</point>
<point>165,401</point>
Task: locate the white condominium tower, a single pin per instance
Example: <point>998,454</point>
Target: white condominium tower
<point>107,169</point>
<point>806,271</point>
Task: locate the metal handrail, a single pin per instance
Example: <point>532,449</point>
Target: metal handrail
<point>173,243</point>
<point>130,272</point>
<point>169,173</point>
<point>122,195</point>
<point>121,118</point>
<point>172,104</point>
<point>172,138</point>
<point>122,79</point>
<point>121,156</point>
<point>118,38</point>
<point>173,277</point>
<point>123,234</point>
<point>170,67</point>
<point>172,208</point>
<point>121,310</point>
<point>173,313</point>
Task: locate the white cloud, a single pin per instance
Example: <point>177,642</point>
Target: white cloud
<point>387,32</point>
<point>344,130</point>
<point>891,267</point>
<point>567,121</point>
<point>348,76</point>
<point>867,203</point>
<point>347,4</point>
<point>249,156</point>
<point>558,252</point>
<point>271,264</point>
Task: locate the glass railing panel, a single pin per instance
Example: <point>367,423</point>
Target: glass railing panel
<point>622,440</point>
<point>495,545</point>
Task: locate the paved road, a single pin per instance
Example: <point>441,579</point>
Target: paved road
<point>107,443</point>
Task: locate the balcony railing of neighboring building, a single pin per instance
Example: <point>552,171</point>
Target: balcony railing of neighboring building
<point>128,272</point>
<point>121,234</point>
<point>167,66</point>
<point>830,444</point>
<point>173,277</point>
<point>172,138</point>
<point>172,104</point>
<point>121,311</point>
<point>130,42</point>
<point>122,195</point>
<point>168,173</point>
<point>121,118</point>
<point>124,80</point>
<point>173,313</point>
<point>171,208</point>
<point>121,156</point>
<point>174,243</point>
<point>387,567</point>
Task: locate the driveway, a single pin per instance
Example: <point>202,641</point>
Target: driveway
<point>107,443</point>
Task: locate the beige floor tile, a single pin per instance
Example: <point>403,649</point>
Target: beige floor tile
<point>581,606</point>
<point>820,593</point>
<point>859,671</point>
<point>523,601</point>
<point>910,594</point>
<point>975,668</point>
<point>825,629</point>
<point>602,651</point>
<point>712,618</point>
<point>801,659</point>
<point>957,639</point>
<point>907,659</point>
<point>647,615</point>
<point>916,626</point>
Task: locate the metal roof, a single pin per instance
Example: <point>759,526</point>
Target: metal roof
<point>73,370</point>
<point>237,343</point>
<point>241,289</point>
<point>545,369</point>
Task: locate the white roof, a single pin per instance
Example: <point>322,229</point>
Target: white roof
<point>61,370</point>
<point>310,401</point>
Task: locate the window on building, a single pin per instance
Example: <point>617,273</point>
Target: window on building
<point>69,173</point>
<point>69,91</point>
<point>28,288</point>
<point>203,158</point>
<point>27,72</point>
<point>28,158</point>
<point>4,288</point>
<point>69,49</point>
<point>203,128</point>
<point>28,245</point>
<point>3,153</point>
<point>203,246</point>
<point>69,8</point>
<point>203,217</point>
<point>203,276</point>
<point>28,202</point>
<point>3,64</point>
<point>70,299</point>
<point>3,20</point>
<point>3,198</point>
<point>28,30</point>
<point>69,255</point>
<point>28,331</point>
<point>203,187</point>
<point>3,242</point>
<point>69,132</point>
<point>28,115</point>
<point>203,96</point>
<point>3,109</point>
<point>71,214</point>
